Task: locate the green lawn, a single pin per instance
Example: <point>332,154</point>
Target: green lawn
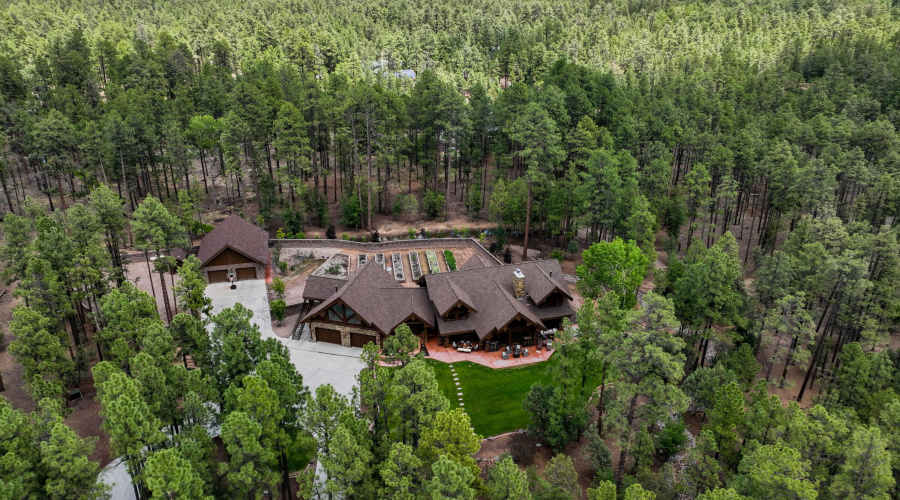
<point>493,397</point>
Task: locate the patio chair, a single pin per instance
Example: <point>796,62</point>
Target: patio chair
<point>505,355</point>
<point>525,352</point>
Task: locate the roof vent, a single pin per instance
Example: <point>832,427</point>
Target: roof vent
<point>335,288</point>
<point>551,274</point>
<point>519,284</point>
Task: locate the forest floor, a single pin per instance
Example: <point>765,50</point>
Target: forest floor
<point>529,451</point>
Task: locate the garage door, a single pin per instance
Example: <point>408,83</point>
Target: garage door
<point>360,340</point>
<point>328,336</point>
<point>218,276</point>
<point>247,273</point>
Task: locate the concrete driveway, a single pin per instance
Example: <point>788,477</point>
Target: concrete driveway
<point>319,363</point>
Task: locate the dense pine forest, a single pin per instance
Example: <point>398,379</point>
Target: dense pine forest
<point>723,178</point>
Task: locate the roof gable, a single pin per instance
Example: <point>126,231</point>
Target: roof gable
<point>378,299</point>
<point>239,235</point>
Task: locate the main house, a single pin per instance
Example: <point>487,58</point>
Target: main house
<point>480,302</point>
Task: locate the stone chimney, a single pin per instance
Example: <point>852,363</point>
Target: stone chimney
<point>519,284</point>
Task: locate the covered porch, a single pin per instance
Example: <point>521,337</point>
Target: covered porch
<point>445,352</point>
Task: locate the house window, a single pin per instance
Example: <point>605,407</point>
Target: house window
<point>457,313</point>
<point>553,300</point>
<point>340,313</point>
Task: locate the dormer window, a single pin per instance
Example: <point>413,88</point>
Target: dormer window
<point>456,314</point>
<point>553,300</point>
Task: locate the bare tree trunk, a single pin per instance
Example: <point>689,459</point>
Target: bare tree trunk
<point>527,226</point>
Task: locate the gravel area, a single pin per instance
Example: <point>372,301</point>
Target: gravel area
<point>137,273</point>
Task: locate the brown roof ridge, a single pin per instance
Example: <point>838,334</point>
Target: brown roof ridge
<point>556,283</point>
<point>461,295</point>
<point>519,307</point>
<point>237,234</point>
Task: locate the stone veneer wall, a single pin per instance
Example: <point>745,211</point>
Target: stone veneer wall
<point>345,332</point>
<point>385,246</point>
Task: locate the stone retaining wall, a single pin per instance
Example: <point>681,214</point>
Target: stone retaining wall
<point>388,246</point>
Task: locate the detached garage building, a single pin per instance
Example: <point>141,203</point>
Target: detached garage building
<point>234,247</point>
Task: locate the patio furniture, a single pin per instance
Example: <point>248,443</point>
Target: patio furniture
<point>464,349</point>
<point>517,353</point>
<point>525,352</point>
<point>505,355</point>
<point>549,346</point>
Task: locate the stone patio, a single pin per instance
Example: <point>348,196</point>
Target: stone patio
<point>490,359</point>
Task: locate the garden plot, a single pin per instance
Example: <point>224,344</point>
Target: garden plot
<point>361,260</point>
<point>414,265</point>
<point>379,259</point>
<point>397,261</point>
<point>450,260</point>
<point>432,262</point>
<point>338,266</point>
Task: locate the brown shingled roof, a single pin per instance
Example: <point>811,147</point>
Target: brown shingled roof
<point>445,294</point>
<point>539,289</point>
<point>239,235</point>
<point>379,300</point>
<point>321,287</point>
<point>490,289</point>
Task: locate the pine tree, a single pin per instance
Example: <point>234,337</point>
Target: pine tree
<point>169,475</point>
<point>190,291</point>
<point>450,481</point>
<point>450,434</point>
<point>605,490</point>
<point>248,470</point>
<point>775,471</point>
<point>348,464</point>
<point>155,228</point>
<point>402,473</point>
<point>506,481</point>
<point>415,399</point>
<point>540,150</point>
<point>132,428</point>
<point>866,471</point>
<point>727,416</point>
<point>399,347</point>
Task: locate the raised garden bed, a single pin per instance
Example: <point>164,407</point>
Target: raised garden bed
<point>361,260</point>
<point>379,259</point>
<point>450,260</point>
<point>397,261</point>
<point>432,261</point>
<point>337,266</point>
<point>414,265</point>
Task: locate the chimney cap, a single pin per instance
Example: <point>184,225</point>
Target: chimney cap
<point>518,273</point>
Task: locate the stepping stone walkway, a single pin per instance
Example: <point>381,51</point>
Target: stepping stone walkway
<point>456,381</point>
